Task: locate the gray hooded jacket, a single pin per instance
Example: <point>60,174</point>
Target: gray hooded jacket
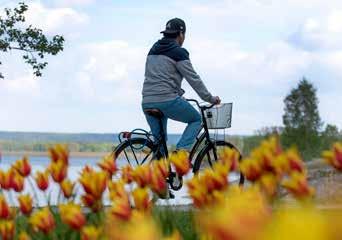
<point>166,65</point>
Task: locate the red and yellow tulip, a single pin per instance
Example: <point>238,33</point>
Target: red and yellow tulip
<point>42,220</point>
<point>94,183</point>
<point>141,198</point>
<point>5,211</point>
<point>108,164</point>
<point>67,188</point>
<point>142,175</point>
<point>42,180</point>
<point>251,169</point>
<point>230,157</point>
<point>298,185</point>
<point>90,233</point>
<point>7,230</point>
<point>23,166</point>
<point>18,182</point>
<point>72,215</point>
<point>334,156</point>
<point>58,171</point>
<point>59,153</point>
<point>181,162</point>
<point>126,174</point>
<point>25,204</point>
<point>6,179</point>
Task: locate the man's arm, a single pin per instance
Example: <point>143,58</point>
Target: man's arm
<point>186,69</point>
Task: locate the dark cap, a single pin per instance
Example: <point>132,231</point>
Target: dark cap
<point>175,25</point>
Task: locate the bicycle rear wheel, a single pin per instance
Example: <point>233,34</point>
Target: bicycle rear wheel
<point>208,156</point>
<point>134,151</point>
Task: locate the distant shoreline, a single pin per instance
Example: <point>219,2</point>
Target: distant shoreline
<point>45,154</point>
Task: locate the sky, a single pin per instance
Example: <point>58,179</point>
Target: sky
<point>249,52</point>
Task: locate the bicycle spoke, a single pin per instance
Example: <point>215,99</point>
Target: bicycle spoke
<point>143,161</point>
<point>136,160</point>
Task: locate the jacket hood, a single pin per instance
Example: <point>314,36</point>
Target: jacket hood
<point>163,45</point>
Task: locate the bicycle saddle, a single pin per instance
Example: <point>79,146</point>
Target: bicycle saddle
<point>154,112</point>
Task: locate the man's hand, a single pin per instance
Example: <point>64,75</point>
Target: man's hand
<point>217,100</point>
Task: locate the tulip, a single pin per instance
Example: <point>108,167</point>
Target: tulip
<point>158,182</point>
<point>121,209</point>
<point>90,233</point>
<point>7,230</point>
<point>42,180</point>
<point>42,220</point>
<point>251,169</point>
<point>230,157</point>
<point>71,214</point>
<point>59,153</point>
<point>6,179</point>
<point>126,172</point>
<point>24,236</point>
<point>162,166</point>
<point>89,201</point>
<point>141,199</point>
<point>295,161</point>
<point>228,220</point>
<point>334,157</point>
<point>181,162</point>
<point>5,211</point>
<point>268,184</point>
<point>67,188</point>
<point>25,204</point>
<point>117,190</point>
<point>18,182</point>
<point>94,183</point>
<point>142,175</point>
<point>197,191</point>
<point>58,171</point>
<point>213,181</point>
<point>23,167</point>
<point>298,185</point>
<point>108,164</point>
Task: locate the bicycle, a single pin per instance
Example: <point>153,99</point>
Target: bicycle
<point>141,143</point>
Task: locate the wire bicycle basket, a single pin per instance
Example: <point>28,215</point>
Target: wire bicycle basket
<point>219,116</point>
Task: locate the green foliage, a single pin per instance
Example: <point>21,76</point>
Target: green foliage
<point>301,120</point>
<point>30,40</point>
<point>329,136</point>
<point>170,219</point>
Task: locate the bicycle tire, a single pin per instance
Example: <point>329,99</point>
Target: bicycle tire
<point>206,150</point>
<point>126,145</point>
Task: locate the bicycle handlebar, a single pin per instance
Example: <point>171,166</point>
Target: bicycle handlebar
<point>201,107</point>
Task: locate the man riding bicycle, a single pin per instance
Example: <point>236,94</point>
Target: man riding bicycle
<point>166,65</point>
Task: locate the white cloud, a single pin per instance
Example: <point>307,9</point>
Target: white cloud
<point>112,71</point>
<point>320,33</point>
<point>67,3</point>
<point>54,20</point>
<point>23,85</point>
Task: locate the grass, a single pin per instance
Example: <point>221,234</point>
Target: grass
<point>170,219</point>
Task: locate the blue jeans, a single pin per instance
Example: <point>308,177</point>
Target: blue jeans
<point>179,110</point>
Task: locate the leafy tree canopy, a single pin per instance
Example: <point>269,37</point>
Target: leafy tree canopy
<point>30,40</point>
<point>301,119</point>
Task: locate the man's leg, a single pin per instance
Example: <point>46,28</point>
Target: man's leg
<point>155,125</point>
<point>182,111</point>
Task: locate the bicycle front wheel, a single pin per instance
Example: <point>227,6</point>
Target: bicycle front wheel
<point>208,156</point>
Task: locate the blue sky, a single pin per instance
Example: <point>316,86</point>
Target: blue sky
<point>249,52</point>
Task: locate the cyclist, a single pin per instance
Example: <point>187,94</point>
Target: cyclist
<point>166,65</point>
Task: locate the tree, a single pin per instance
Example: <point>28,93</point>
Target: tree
<point>301,119</point>
<point>30,40</point>
<point>330,135</point>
